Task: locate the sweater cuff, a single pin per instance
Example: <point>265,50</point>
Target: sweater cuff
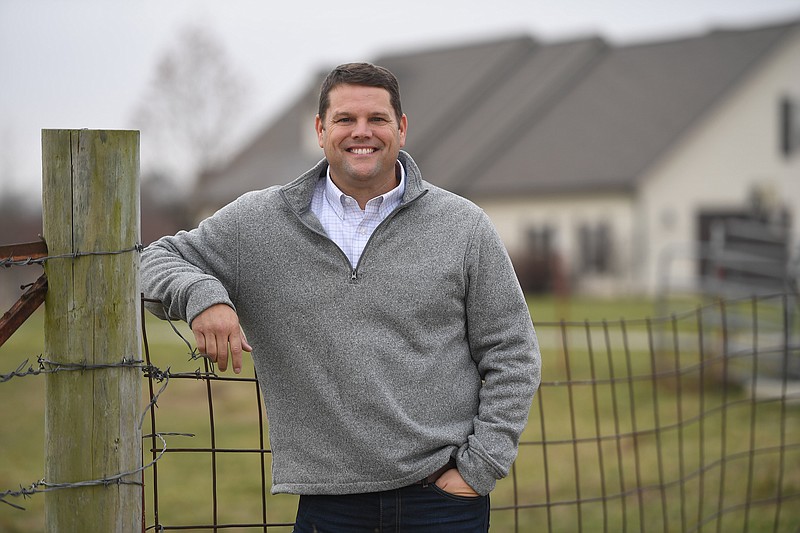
<point>203,295</point>
<point>479,473</point>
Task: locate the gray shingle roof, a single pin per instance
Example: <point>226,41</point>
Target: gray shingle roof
<point>515,116</point>
<point>503,101</point>
<point>628,109</point>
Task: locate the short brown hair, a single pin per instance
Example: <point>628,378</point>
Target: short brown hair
<point>360,74</point>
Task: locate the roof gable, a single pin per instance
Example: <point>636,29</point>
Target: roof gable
<point>507,105</point>
<point>438,86</point>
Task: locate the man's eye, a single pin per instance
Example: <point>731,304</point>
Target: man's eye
<point>378,119</point>
<point>342,120</point>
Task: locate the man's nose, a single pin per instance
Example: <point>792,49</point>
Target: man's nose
<point>362,129</point>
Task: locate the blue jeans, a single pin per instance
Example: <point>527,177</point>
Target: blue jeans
<point>412,509</point>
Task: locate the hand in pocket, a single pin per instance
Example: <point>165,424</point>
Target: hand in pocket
<point>452,483</point>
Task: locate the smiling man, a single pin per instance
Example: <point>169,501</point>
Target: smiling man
<point>393,344</point>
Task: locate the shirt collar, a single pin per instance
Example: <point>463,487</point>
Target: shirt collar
<point>335,197</point>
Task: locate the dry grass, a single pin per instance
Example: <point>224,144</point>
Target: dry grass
<point>695,434</point>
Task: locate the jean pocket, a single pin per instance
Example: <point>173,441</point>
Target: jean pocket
<point>454,497</point>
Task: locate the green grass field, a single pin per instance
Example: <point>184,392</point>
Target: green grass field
<point>695,433</point>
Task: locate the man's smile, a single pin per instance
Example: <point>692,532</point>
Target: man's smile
<point>362,151</point>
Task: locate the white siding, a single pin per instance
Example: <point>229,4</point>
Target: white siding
<point>732,152</point>
<point>566,214</point>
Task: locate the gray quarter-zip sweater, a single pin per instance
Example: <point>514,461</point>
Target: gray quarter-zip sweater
<point>373,376</point>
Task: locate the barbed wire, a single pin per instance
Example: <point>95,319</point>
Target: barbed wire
<point>42,486</point>
<point>47,366</point>
<point>149,371</point>
<point>61,367</point>
<point>9,262</point>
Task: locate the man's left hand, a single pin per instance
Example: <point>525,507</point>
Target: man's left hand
<point>452,483</point>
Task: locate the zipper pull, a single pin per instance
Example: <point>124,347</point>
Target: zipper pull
<point>353,275</point>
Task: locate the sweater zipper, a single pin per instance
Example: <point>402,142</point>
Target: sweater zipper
<point>354,271</point>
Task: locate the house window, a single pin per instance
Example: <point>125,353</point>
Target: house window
<point>540,240</point>
<point>595,248</point>
<point>790,126</point>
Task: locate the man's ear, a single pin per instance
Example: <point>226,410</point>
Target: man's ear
<point>403,128</point>
<point>318,125</point>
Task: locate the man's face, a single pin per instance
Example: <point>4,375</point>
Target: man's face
<point>361,137</point>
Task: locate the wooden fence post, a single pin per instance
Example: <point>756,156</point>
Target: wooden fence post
<point>91,206</point>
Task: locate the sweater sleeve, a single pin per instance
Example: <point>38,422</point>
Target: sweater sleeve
<point>505,349</point>
<point>191,271</point>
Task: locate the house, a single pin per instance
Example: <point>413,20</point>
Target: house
<point>604,167</point>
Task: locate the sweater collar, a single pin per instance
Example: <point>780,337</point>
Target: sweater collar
<point>299,192</point>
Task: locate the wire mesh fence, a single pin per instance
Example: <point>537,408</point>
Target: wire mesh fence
<point>689,422</point>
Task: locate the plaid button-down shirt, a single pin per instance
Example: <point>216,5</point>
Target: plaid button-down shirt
<point>344,221</point>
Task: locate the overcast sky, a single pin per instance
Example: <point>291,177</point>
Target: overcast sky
<point>86,63</point>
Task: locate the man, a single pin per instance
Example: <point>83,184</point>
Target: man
<point>393,344</point>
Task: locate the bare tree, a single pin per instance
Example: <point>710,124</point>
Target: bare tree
<point>191,108</point>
